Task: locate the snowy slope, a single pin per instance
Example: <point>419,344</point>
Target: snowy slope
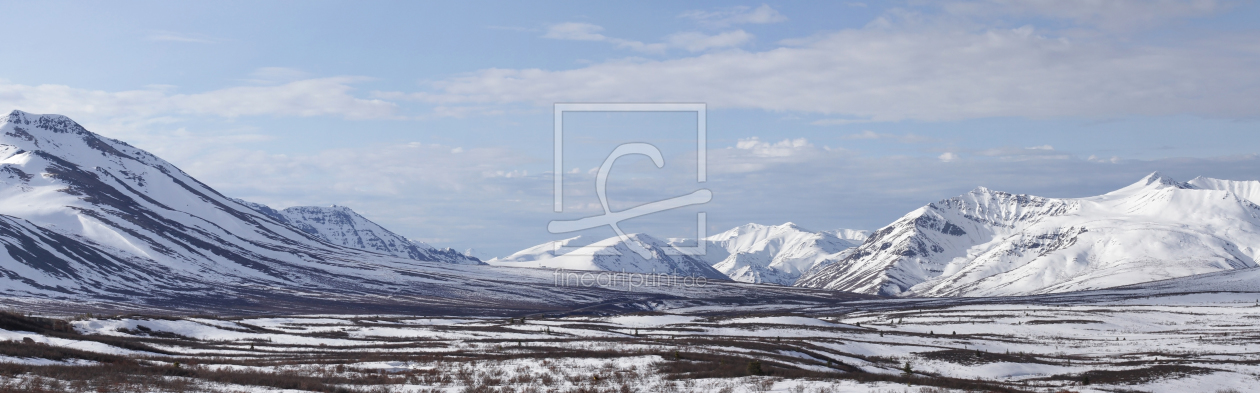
<point>1238,280</point>
<point>344,227</point>
<point>611,254</point>
<point>774,254</point>
<point>130,204</point>
<point>1249,190</point>
<point>91,223</point>
<point>88,217</point>
<point>752,253</point>
<point>40,260</point>
<point>541,252</point>
<point>987,243</point>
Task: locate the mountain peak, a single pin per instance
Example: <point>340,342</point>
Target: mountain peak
<point>982,190</point>
<point>751,226</point>
<point>1150,183</point>
<point>643,238</point>
<point>341,225</point>
<point>17,117</point>
<point>1156,177</point>
<point>51,122</point>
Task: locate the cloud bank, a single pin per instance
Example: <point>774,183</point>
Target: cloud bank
<point>306,97</point>
<point>905,66</point>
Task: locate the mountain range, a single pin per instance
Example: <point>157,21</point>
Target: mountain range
<point>752,253</point>
<point>993,243</point>
<point>85,214</point>
<point>612,254</point>
<point>776,254</point>
<point>91,222</point>
<point>87,217</point>
<point>987,243</point>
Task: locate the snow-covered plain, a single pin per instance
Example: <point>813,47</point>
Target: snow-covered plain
<point>1118,341</point>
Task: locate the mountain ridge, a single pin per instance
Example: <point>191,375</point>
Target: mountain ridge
<point>612,254</point>
<point>992,243</point>
<point>774,254</point>
<point>343,226</point>
<point>87,217</point>
<point>751,253</point>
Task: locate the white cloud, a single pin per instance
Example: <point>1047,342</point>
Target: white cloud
<point>577,31</point>
<point>920,72</point>
<point>865,134</point>
<point>948,157</point>
<point>756,143</point>
<point>307,97</point>
<point>696,42</point>
<point>1112,160</point>
<point>691,41</point>
<point>1106,15</point>
<point>784,148</point>
<point>736,15</point>
<point>395,171</point>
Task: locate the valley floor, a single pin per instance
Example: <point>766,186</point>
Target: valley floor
<point>1173,343</point>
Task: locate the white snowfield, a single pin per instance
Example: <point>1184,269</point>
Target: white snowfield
<point>83,345</point>
<point>991,243</point>
<point>1121,339</point>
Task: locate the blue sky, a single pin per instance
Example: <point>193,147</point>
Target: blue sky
<point>434,119</point>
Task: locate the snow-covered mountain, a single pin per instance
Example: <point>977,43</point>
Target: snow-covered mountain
<point>752,253</point>
<point>995,243</point>
<point>91,223</point>
<point>533,256</point>
<point>1249,190</point>
<point>84,215</point>
<point>774,254</point>
<point>611,254</point>
<point>344,227</point>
